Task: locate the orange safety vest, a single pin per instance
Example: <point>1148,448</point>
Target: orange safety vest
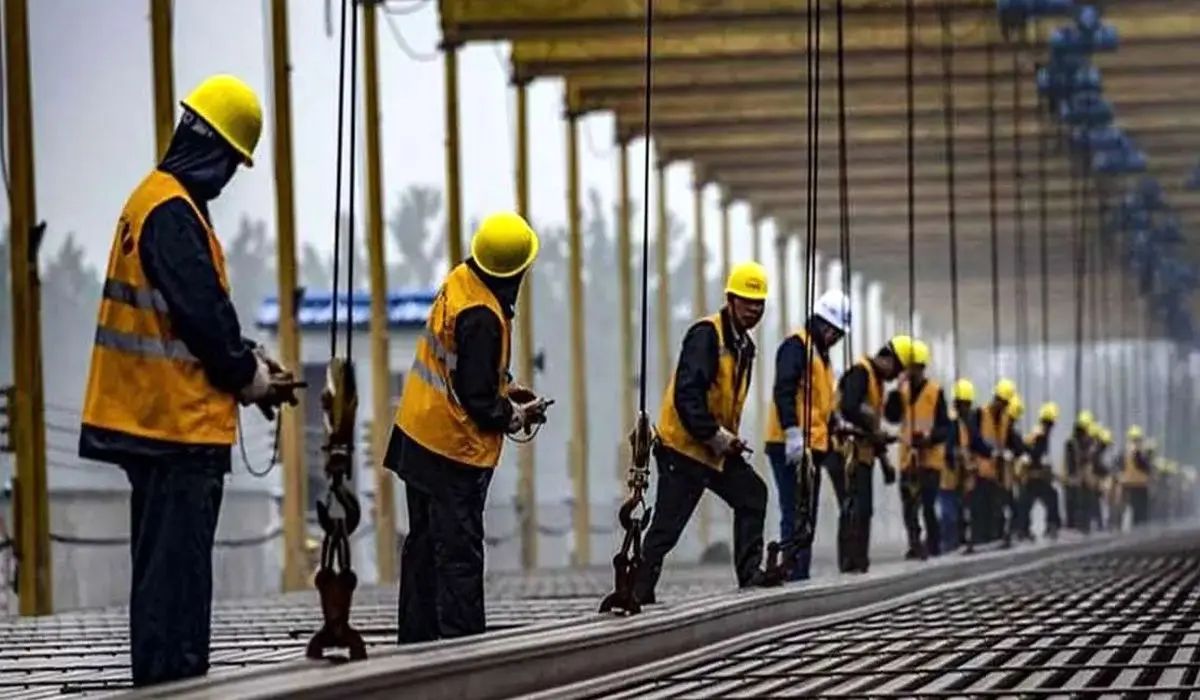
<point>725,399</point>
<point>919,417</point>
<point>865,452</point>
<point>820,400</point>
<point>1130,474</point>
<point>429,412</point>
<point>143,380</point>
<point>995,432</point>
<point>950,477</point>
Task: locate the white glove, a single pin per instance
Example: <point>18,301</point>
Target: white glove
<point>260,384</point>
<point>793,448</point>
<point>522,415</point>
<point>721,442</point>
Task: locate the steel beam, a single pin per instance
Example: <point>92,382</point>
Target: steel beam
<point>526,457</point>
<point>453,160</point>
<point>581,520</point>
<point>626,305</point>
<point>164,75</point>
<point>662,251</point>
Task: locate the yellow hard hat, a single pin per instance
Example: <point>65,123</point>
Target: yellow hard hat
<point>1049,412</point>
<point>1135,432</point>
<point>1085,419</point>
<point>504,245</point>
<point>964,390</point>
<point>921,353</point>
<point>1106,436</point>
<point>747,280</point>
<point>1005,389</point>
<point>902,346</point>
<point>1094,429</point>
<point>231,108</point>
<point>1016,407</point>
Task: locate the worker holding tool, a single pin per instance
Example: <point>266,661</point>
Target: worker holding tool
<point>958,479</point>
<point>1135,477</point>
<point>458,405</point>
<point>919,406</point>
<point>168,370</point>
<point>1038,483</point>
<point>700,446</point>
<point>1076,454</point>
<point>988,499</point>
<point>861,410</point>
<point>798,422</point>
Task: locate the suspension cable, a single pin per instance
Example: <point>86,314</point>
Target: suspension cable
<point>337,187</point>
<point>909,47</point>
<point>843,178</point>
<point>1043,243</point>
<point>1077,241</point>
<point>952,213</point>
<point>992,206</point>
<point>649,89</point>
<point>350,200</point>
<point>1105,326</point>
<point>1020,342</point>
<point>812,146</point>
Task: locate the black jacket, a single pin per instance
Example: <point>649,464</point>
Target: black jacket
<point>853,387</point>
<point>791,367</point>
<point>697,370</point>
<point>176,259</point>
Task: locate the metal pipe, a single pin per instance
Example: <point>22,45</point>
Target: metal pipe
<point>625,275</point>
<point>579,425</point>
<point>164,75</point>
<point>453,184</point>
<point>526,463</point>
<point>663,246</point>
<point>782,294</point>
<point>381,384</point>
<point>295,478</point>
<point>28,414</point>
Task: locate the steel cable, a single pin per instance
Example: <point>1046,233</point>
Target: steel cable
<point>812,148</point>
<point>948,117</point>
<point>649,90</point>
<point>843,179</point>
<point>1020,340</point>
<point>992,207</point>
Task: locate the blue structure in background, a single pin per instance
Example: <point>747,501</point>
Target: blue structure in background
<point>315,310</point>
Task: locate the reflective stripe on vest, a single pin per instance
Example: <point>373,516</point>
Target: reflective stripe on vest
<point>143,380</point>
<point>429,412</point>
<point>725,402</point>
<point>920,417</point>
<point>820,376</point>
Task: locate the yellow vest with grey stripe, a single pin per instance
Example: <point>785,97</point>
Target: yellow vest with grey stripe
<point>143,380</point>
<point>726,397</point>
<point>429,413</point>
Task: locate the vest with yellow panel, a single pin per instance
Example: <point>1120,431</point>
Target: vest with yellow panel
<point>1131,475</point>
<point>819,377</point>
<point>952,476</point>
<point>429,412</point>
<point>994,430</point>
<point>865,452</point>
<point>725,399</point>
<point>919,417</point>
<point>143,380</point>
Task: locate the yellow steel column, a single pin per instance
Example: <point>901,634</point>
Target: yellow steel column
<point>781,286</point>
<point>625,275</point>
<point>664,281</point>
<point>526,484</point>
<point>453,186</point>
<point>381,385</point>
<point>699,310</point>
<point>164,75</point>
<point>579,426</point>
<point>295,478</point>
<point>28,414</point>
<point>726,243</point>
<point>761,376</point>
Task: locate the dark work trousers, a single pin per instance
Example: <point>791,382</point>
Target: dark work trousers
<point>949,507</point>
<point>987,510</point>
<point>1075,516</point>
<point>786,485</point>
<point>1138,498</point>
<point>681,482</point>
<point>856,500</point>
<point>441,565</point>
<point>918,501</point>
<point>1034,491</point>
<point>172,525</point>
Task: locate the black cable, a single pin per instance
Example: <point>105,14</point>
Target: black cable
<point>948,117</point>
<point>1044,244</point>
<point>992,204</point>
<point>1077,241</point>
<point>350,202</point>
<point>843,177</point>
<point>337,188</point>
<point>1019,316</point>
<point>1104,327</point>
<point>910,28</point>
<point>649,90</point>
<point>812,148</point>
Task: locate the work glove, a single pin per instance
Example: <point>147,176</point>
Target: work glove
<point>521,394</point>
<point>793,447</point>
<point>260,383</point>
<point>526,414</point>
<point>726,443</point>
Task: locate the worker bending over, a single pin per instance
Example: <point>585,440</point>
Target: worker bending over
<point>168,370</point>
<point>700,447</point>
<point>958,479</point>
<point>919,406</point>
<point>988,498</point>
<point>798,423</point>
<point>1038,479</point>
<point>1135,477</point>
<point>861,408</point>
<point>458,404</point>
<point>1076,465</point>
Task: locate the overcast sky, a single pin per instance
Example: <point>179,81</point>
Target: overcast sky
<point>94,135</point>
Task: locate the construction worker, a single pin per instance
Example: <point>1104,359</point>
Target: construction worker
<point>458,405</point>
<point>1097,476</point>
<point>919,406</point>
<point>1039,479</point>
<point>1013,479</point>
<point>1135,477</point>
<point>958,478</point>
<point>798,421</point>
<point>861,390</point>
<point>988,500</point>
<point>1075,458</point>
<point>700,447</point>
<point>168,370</point>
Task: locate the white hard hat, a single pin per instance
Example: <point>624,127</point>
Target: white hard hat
<point>834,308</point>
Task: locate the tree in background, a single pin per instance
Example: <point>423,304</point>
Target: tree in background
<point>417,207</point>
<point>250,259</point>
